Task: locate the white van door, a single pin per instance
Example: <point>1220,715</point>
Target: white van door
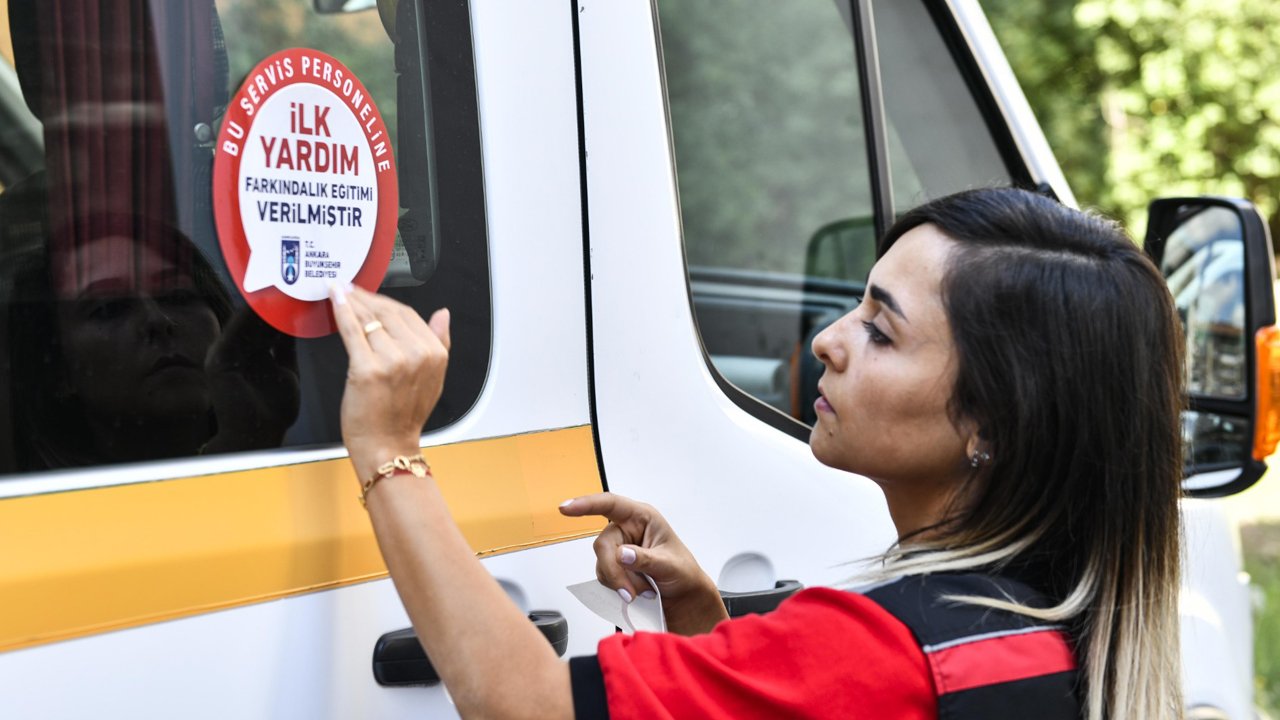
<point>758,141</point>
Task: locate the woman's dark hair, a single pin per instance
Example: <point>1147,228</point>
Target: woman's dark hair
<point>1070,366</point>
<point>50,429</point>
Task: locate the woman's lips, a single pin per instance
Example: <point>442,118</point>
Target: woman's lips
<point>173,361</point>
<point>822,406</point>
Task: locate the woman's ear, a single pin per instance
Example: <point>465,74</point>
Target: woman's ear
<point>976,448</point>
<point>975,445</point>
<point>967,428</point>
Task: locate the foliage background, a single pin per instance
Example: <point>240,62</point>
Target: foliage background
<point>1149,98</point>
<point>1262,561</point>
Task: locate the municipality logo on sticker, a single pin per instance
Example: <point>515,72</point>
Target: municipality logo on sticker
<point>289,260</point>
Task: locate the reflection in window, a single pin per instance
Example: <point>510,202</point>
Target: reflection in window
<point>122,337</point>
<point>775,195</point>
<point>765,115</point>
<point>1211,441</point>
<point>128,349</point>
<point>938,140</point>
<point>258,28</point>
<point>1204,264</point>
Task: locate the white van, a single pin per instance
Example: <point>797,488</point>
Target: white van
<point>639,214</point>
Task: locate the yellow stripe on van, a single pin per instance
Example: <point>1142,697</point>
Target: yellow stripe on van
<point>6,41</point>
<point>81,562</point>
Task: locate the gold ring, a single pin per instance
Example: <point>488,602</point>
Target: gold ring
<point>372,326</point>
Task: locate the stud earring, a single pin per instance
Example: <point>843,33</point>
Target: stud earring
<point>978,459</point>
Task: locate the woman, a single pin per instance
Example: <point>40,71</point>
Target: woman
<point>137,352</point>
<point>1012,383</point>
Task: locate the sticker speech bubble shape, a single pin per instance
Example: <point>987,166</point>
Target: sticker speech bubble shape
<point>305,192</point>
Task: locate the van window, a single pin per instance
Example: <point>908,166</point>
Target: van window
<point>939,142</point>
<point>773,178</point>
<point>123,335</point>
<point>774,184</point>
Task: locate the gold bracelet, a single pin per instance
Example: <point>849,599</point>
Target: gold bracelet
<point>416,466</point>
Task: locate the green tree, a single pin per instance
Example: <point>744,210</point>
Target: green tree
<point>1149,98</point>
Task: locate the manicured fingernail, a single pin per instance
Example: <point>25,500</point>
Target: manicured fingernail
<point>628,556</point>
<point>649,595</point>
<point>337,294</point>
<point>567,503</point>
<point>626,596</point>
<point>350,288</point>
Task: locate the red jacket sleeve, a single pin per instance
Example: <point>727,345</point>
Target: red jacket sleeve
<point>822,654</point>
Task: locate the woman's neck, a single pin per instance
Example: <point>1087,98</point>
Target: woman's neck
<point>918,509</point>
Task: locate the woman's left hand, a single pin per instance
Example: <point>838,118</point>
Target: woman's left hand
<point>394,378</point>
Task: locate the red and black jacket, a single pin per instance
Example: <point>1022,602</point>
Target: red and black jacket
<point>902,650</point>
<point>986,663</point>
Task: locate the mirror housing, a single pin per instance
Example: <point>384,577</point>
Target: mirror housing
<point>842,250</point>
<point>386,10</point>
<point>333,7</point>
<point>1217,257</point>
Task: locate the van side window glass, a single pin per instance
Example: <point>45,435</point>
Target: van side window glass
<point>123,336</point>
<point>775,191</point>
<point>939,142</point>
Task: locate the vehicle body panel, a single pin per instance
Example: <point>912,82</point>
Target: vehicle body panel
<point>248,585</point>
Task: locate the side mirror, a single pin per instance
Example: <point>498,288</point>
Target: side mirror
<point>330,7</point>
<point>1216,255</point>
<point>842,250</point>
<point>386,10</point>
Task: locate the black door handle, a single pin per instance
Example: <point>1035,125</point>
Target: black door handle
<point>759,601</point>
<point>399,660</point>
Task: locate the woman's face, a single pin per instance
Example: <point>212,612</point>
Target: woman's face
<point>135,347</point>
<point>890,370</point>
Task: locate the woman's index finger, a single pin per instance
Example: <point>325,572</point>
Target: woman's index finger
<point>439,324</point>
<point>349,326</point>
<point>616,508</point>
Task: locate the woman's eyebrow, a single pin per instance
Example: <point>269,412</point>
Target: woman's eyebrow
<point>884,297</point>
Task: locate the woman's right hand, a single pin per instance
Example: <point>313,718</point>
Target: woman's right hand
<point>639,540</point>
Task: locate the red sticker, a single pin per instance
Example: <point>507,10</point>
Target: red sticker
<point>304,189</point>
